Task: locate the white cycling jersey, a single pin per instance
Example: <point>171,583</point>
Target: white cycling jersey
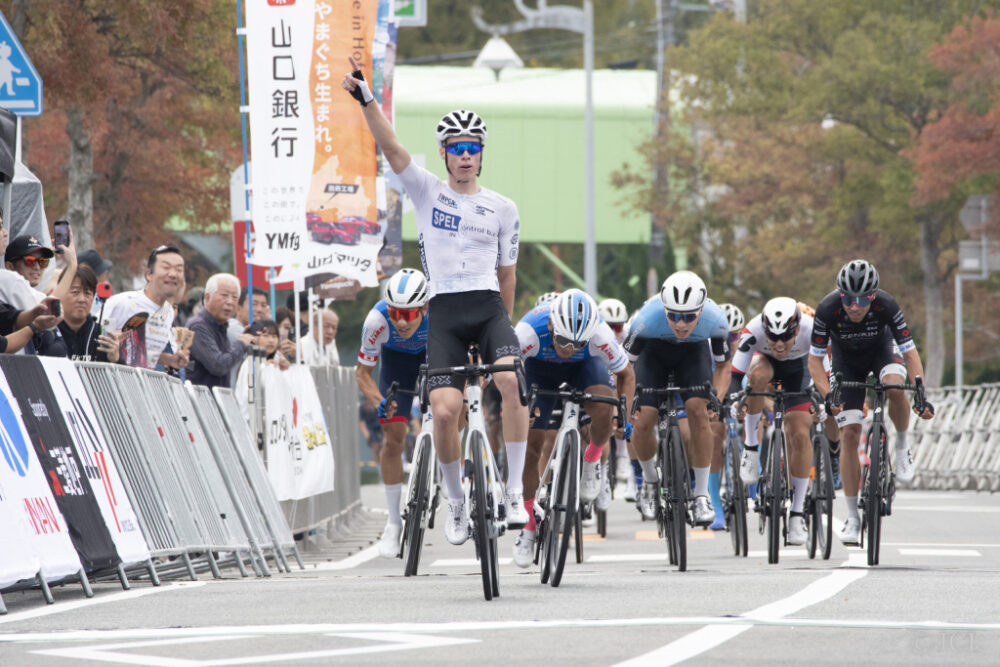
<point>463,238</point>
<point>753,340</point>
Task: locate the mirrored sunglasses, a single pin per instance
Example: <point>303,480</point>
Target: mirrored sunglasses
<point>681,317</point>
<point>562,341</point>
<point>460,147</point>
<point>862,301</point>
<point>404,314</point>
<point>31,261</point>
<point>786,336</point>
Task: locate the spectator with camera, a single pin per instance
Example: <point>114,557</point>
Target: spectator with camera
<point>213,356</point>
<point>19,327</point>
<point>146,316</point>
<point>85,338</point>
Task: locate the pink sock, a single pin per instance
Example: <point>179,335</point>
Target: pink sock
<point>593,453</point>
<point>529,507</point>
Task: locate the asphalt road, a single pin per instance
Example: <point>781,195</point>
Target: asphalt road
<point>935,599</point>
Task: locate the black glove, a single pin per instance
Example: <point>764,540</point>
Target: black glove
<point>359,91</point>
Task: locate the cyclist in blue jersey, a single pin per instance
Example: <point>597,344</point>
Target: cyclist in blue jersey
<point>396,330</point>
<point>669,336</point>
<point>565,340</point>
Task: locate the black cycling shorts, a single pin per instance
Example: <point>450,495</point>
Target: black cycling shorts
<point>793,375</point>
<point>856,364</point>
<point>691,364</point>
<point>458,319</point>
<point>401,367</point>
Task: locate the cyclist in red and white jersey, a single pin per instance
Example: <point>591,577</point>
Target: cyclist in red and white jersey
<point>615,314</point>
<point>468,238</point>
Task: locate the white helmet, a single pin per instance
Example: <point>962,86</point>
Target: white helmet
<point>460,122</point>
<point>683,292</point>
<point>781,315</point>
<point>546,298</point>
<point>857,278</point>
<point>734,316</point>
<point>574,316</point>
<point>406,289</point>
<point>613,311</point>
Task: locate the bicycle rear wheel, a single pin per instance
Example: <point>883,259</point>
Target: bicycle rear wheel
<point>736,507</point>
<point>775,494</point>
<point>679,493</point>
<point>481,515</point>
<point>565,505</point>
<point>877,475</point>
<point>417,506</point>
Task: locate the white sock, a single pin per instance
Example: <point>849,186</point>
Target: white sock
<point>750,428</point>
<point>452,473</point>
<point>516,452</point>
<point>621,447</point>
<point>649,471</point>
<point>901,440</point>
<point>701,481</point>
<point>799,485</point>
<point>852,507</point>
<point>392,494</point>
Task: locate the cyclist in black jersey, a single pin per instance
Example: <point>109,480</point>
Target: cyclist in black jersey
<point>864,327</point>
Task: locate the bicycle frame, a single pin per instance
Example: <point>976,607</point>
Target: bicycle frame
<point>477,424</point>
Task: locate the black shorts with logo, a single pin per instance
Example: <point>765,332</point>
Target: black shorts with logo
<point>458,319</point>
<point>856,364</point>
<point>690,363</point>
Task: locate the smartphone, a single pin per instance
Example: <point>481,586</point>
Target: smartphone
<point>104,326</point>
<point>104,290</point>
<point>61,235</point>
<point>55,307</point>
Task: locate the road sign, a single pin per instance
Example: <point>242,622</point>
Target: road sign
<point>20,85</point>
<point>973,213</point>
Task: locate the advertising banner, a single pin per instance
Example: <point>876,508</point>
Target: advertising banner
<point>64,471</point>
<point>27,501</point>
<point>98,464</point>
<point>313,204</point>
<point>299,452</point>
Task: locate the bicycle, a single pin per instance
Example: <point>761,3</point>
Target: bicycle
<point>671,460</point>
<point>819,498</point>
<point>484,490</point>
<point>774,489</point>
<point>421,502</point>
<point>734,502</point>
<point>878,484</point>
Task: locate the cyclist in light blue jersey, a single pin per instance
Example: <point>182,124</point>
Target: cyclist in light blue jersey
<point>669,336</point>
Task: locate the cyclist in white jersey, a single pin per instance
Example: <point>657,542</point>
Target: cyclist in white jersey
<point>468,239</point>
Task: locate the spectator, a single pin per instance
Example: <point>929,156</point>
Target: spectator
<point>190,307</point>
<point>25,260</point>
<point>303,312</point>
<point>261,311</point>
<point>80,330</point>
<point>145,342</point>
<point>286,331</point>
<point>310,350</point>
<point>98,264</point>
<point>18,327</point>
<point>213,356</point>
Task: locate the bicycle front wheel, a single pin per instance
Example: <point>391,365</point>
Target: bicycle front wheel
<point>417,505</point>
<point>565,504</point>
<point>776,495</point>
<point>481,514</point>
<point>678,496</point>
<point>821,500</point>
<point>877,475</point>
<point>736,507</point>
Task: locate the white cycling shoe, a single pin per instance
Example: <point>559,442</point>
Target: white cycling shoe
<point>905,469</point>
<point>702,513</point>
<point>388,546</point>
<point>524,548</point>
<point>603,501</point>
<point>647,500</point>
<point>590,481</point>
<point>798,533</point>
<point>631,488</point>
<point>850,534</point>
<point>749,466</point>
<point>623,468</point>
<point>456,528</point>
<point>517,516</point>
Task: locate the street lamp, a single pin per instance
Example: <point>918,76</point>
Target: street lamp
<point>496,55</point>
<point>574,19</point>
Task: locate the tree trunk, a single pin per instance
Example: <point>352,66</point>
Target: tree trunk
<point>80,179</point>
<point>933,284</point>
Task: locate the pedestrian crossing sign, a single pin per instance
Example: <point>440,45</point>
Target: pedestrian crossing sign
<point>20,85</point>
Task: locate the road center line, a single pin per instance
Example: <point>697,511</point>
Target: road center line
<point>710,636</point>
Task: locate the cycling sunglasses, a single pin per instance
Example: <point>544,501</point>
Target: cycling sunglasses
<point>862,301</point>
<point>682,317</point>
<point>31,261</point>
<point>404,314</point>
<point>562,341</point>
<point>460,147</point>
<point>786,336</point>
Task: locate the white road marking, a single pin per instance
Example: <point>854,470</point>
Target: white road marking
<point>390,641</point>
<point>964,509</point>
<point>626,558</point>
<point>710,636</point>
<point>362,556</point>
<point>16,617</point>
<point>944,545</point>
<point>466,562</point>
<point>939,552</point>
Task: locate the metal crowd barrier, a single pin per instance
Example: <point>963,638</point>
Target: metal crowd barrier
<point>199,503</point>
<point>960,447</point>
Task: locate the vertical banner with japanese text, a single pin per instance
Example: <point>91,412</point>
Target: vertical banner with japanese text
<point>314,204</point>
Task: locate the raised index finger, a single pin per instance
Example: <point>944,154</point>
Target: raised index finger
<point>354,66</point>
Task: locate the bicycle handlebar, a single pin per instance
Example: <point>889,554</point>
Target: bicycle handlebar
<point>920,401</point>
<point>566,393</point>
<point>809,393</point>
<point>471,371</point>
<point>672,390</point>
